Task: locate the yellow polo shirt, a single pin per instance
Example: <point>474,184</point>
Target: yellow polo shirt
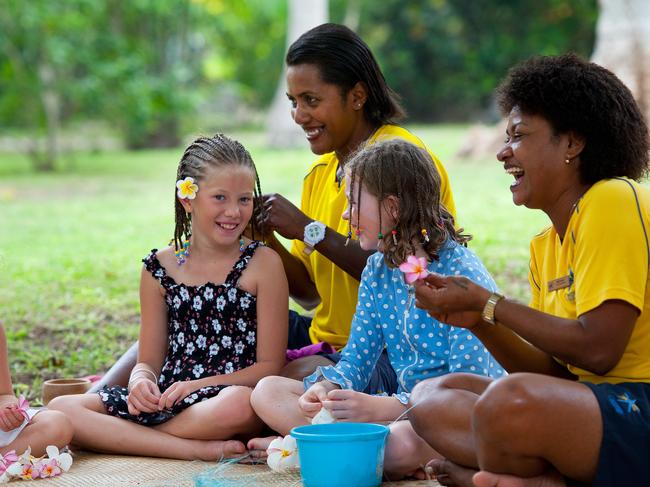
<point>605,255</point>
<point>323,199</point>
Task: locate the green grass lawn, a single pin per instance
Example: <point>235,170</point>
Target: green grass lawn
<point>71,243</point>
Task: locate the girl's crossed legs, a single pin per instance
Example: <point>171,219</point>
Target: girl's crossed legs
<point>198,432</point>
<point>275,400</point>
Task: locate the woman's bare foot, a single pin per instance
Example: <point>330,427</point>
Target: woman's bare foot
<point>450,474</point>
<point>257,446</point>
<point>489,479</point>
<point>219,450</point>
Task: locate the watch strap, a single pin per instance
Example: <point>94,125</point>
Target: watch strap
<point>490,305</point>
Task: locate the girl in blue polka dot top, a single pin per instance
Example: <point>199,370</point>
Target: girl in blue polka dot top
<point>394,196</point>
<point>394,207</point>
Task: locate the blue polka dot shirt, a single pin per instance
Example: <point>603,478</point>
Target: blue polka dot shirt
<point>418,346</point>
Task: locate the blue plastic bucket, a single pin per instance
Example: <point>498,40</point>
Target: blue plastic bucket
<point>341,454</point>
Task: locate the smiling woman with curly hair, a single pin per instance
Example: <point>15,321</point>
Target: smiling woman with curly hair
<point>575,409</point>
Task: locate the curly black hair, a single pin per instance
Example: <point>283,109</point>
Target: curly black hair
<point>575,95</point>
<point>344,59</point>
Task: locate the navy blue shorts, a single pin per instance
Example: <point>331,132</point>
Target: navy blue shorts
<point>625,449</point>
<point>383,378</point>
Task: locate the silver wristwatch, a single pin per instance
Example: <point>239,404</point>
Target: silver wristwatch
<point>314,233</point>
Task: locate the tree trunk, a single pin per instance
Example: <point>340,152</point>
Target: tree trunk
<point>52,109</point>
<point>623,45</point>
<point>281,131</point>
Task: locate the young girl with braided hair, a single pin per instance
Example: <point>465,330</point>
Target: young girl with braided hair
<point>213,323</point>
<point>394,208</point>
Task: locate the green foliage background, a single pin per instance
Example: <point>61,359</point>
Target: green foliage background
<point>156,69</point>
<point>445,57</point>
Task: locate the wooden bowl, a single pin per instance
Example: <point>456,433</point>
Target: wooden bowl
<point>60,387</point>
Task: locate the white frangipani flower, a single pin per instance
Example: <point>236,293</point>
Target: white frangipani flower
<point>283,454</point>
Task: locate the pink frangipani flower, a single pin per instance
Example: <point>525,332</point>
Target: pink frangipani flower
<point>23,405</point>
<point>49,468</point>
<point>414,268</point>
<point>30,472</point>
<point>7,459</point>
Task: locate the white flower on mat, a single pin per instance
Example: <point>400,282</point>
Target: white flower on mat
<point>63,459</point>
<point>283,454</point>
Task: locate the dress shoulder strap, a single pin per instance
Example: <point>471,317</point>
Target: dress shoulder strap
<point>242,263</point>
<point>153,265</point>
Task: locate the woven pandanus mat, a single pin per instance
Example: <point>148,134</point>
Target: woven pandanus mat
<point>92,469</point>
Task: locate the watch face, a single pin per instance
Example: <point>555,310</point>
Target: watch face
<point>313,232</point>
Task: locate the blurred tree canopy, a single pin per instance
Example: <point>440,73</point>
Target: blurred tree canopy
<point>149,67</point>
<point>445,57</point>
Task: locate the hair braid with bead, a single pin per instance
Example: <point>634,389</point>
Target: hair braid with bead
<point>350,179</point>
<point>202,155</point>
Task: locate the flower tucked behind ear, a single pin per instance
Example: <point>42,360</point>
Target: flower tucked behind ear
<point>187,188</point>
<point>414,268</point>
<point>283,454</point>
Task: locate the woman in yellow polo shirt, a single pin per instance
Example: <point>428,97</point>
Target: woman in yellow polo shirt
<point>339,97</point>
<point>576,408</point>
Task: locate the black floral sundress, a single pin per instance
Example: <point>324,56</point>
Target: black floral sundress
<point>212,330</point>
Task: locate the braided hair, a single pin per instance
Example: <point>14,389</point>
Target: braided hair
<point>398,168</point>
<point>201,155</point>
